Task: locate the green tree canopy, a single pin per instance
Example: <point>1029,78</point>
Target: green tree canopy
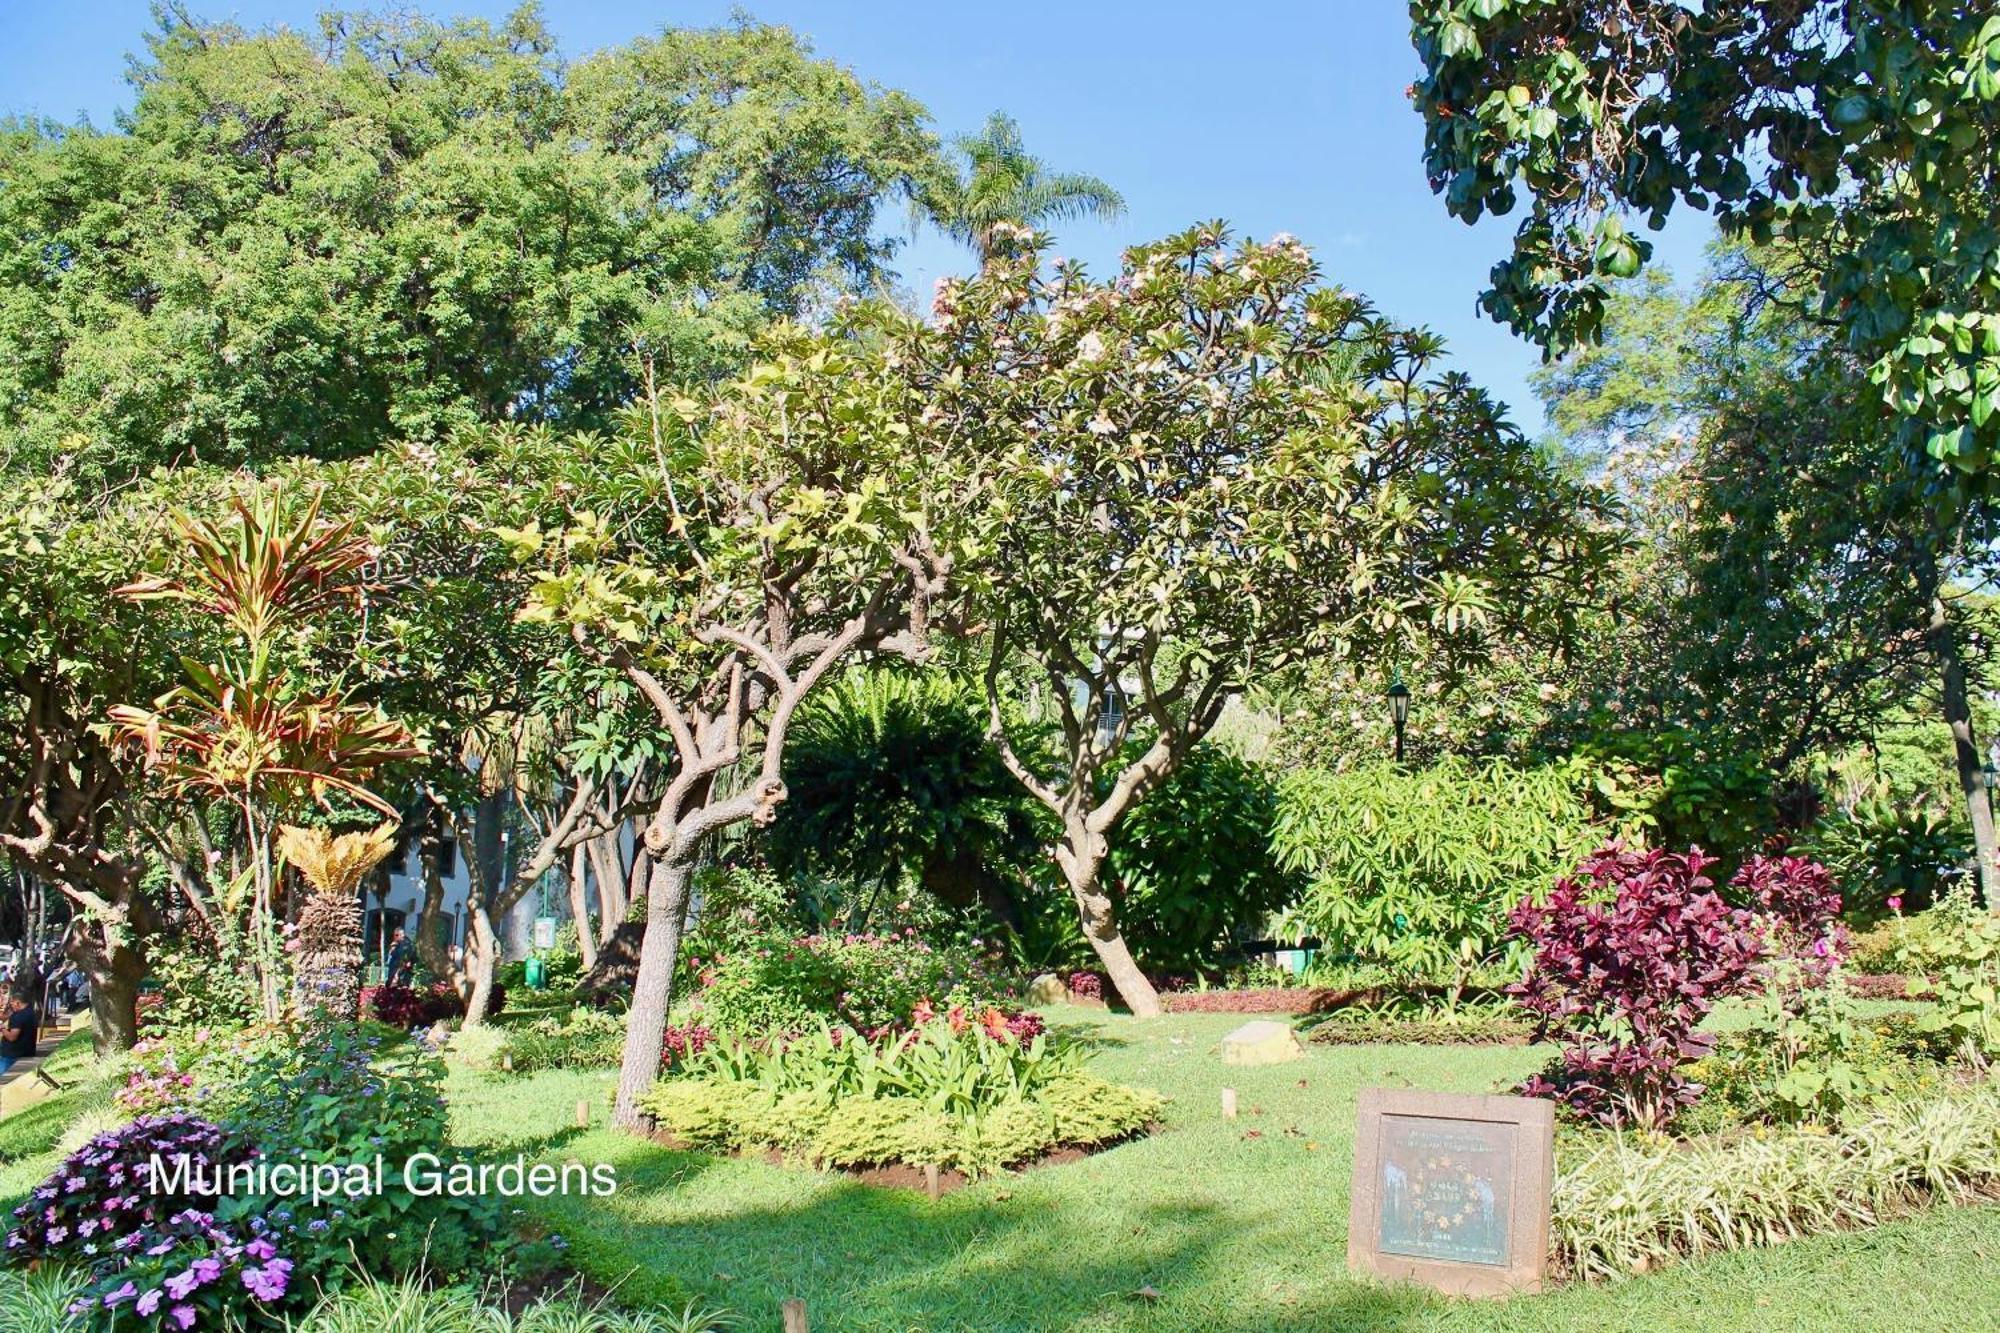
<point>315,243</point>
<point>1206,469</point>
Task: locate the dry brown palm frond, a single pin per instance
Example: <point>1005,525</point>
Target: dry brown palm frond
<point>335,863</point>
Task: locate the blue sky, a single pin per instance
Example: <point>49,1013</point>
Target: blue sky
<point>1278,115</point>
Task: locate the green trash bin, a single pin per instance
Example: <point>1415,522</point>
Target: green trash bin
<point>538,974</point>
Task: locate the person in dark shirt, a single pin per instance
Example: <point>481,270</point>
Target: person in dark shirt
<point>401,961</point>
<point>18,1032</point>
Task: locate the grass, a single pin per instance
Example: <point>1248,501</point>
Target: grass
<point>1236,1225</point>
<point>34,1130</point>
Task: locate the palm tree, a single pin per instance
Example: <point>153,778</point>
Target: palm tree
<point>1002,182</point>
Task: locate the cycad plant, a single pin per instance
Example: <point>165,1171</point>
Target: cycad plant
<point>329,968</point>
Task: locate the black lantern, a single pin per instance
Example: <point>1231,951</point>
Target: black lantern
<point>1399,710</point>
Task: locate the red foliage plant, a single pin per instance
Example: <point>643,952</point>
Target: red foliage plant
<point>1801,904</point>
<point>421,1006</point>
<point>1630,953</point>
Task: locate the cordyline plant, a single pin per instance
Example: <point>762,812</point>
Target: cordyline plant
<point>250,729</point>
<point>791,522</point>
<point>1204,471</point>
<point>1630,954</point>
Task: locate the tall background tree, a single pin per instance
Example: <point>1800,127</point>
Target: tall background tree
<point>999,183</point>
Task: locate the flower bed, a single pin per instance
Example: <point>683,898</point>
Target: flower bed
<point>1307,999</point>
<point>421,1006</point>
<point>956,1093</point>
<point>871,983</point>
<point>155,1257</point>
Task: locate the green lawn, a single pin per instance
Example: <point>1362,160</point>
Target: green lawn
<point>1234,1232</point>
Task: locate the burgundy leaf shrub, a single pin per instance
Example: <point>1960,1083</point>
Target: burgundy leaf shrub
<point>421,1006</point>
<point>1630,953</point>
<point>1801,905</point>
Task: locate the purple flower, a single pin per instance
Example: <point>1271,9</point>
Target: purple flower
<point>182,1315</point>
<point>114,1299</point>
<point>268,1283</point>
<point>149,1302</point>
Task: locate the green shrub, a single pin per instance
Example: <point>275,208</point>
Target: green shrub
<point>1807,1057</point>
<point>1959,942</point>
<point>964,1096</point>
<point>871,983</point>
<point>1883,849</point>
<point>334,1097</point>
<point>1636,1203</point>
<point>893,784</point>
<point>205,984</point>
<point>582,1038</point>
<point>1418,869</point>
<point>1193,868</point>
<point>1068,1109</point>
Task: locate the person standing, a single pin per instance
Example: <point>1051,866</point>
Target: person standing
<point>19,1031</point>
<point>401,961</point>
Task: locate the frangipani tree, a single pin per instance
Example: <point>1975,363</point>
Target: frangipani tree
<point>1204,471</point>
<point>795,520</point>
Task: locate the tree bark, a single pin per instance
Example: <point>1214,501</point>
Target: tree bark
<point>1965,747</point>
<point>652,995</point>
<point>482,959</point>
<point>580,859</point>
<point>635,890</point>
<point>430,945</point>
<point>116,970</point>
<point>1081,856</point>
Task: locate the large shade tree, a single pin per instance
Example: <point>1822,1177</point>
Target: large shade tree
<point>1206,469</point>
<point>321,241</point>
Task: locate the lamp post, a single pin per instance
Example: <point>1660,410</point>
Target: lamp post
<point>1399,710</point>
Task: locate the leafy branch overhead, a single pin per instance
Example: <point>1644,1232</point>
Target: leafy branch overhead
<point>1866,134</point>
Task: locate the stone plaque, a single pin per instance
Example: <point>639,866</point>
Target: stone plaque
<point>1452,1191</point>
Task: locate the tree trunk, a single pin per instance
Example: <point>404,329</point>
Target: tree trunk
<point>1965,748</point>
<point>652,995</point>
<point>115,971</point>
<point>1081,857</point>
<point>579,905</point>
<point>635,890</point>
<point>428,939</point>
<point>608,872</point>
<point>482,960</point>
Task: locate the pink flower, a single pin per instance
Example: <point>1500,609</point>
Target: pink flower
<point>1896,903</point>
